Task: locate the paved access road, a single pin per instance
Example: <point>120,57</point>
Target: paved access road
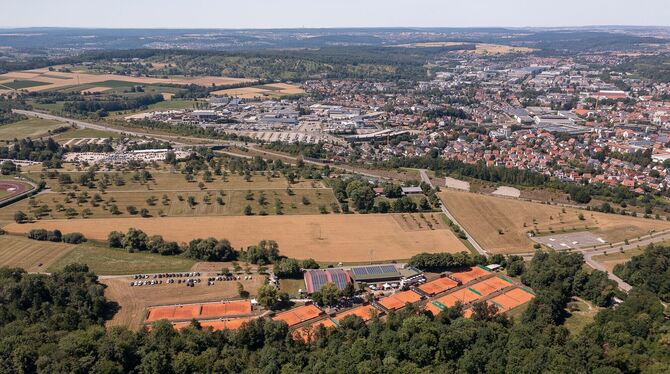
<point>426,179</point>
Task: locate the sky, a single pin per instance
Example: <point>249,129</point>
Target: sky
<point>330,13</point>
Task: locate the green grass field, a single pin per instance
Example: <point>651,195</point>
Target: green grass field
<point>21,84</point>
<point>32,128</point>
<point>107,261</point>
<point>85,133</point>
<point>117,84</point>
<point>54,107</point>
<point>173,104</point>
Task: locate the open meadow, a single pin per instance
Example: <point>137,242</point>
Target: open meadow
<point>501,225</point>
<point>329,238</point>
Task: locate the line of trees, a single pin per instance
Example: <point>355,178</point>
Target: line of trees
<point>56,236</point>
<point>102,107</point>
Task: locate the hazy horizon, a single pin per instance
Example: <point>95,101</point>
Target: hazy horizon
<point>296,14</point>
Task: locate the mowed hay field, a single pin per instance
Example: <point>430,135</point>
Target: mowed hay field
<point>42,79</point>
<point>29,254</point>
<point>109,261</point>
<point>30,128</point>
<point>328,238</point>
<point>268,90</point>
<point>483,216</point>
<point>133,301</point>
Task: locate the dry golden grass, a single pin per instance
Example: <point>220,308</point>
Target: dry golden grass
<point>328,238</point>
<point>133,301</point>
<point>56,80</point>
<point>268,90</point>
<point>95,90</point>
<point>483,216</point>
<point>480,48</point>
<point>29,254</point>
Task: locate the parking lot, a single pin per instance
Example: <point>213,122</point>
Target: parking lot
<point>569,241</point>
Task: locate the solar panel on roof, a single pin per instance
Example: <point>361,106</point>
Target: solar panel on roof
<point>318,280</point>
<point>340,280</point>
<point>388,269</point>
<point>360,271</point>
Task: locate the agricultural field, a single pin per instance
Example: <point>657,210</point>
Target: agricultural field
<point>29,254</point>
<point>274,90</point>
<point>30,128</point>
<point>22,84</point>
<point>108,261</point>
<point>328,238</point>
<point>134,301</point>
<point>43,79</point>
<point>501,225</point>
<point>480,48</point>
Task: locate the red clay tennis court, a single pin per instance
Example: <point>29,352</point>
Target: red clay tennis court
<point>365,312</point>
<point>232,324</point>
<point>308,333</point>
<point>470,275</point>
<point>491,285</point>
<point>199,311</point>
<point>233,308</point>
<point>464,295</point>
<point>398,301</point>
<point>511,299</point>
<point>173,312</point>
<point>438,286</point>
<point>298,315</point>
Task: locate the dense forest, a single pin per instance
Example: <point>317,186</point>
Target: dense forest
<point>111,104</point>
<point>54,324</point>
<point>649,271</point>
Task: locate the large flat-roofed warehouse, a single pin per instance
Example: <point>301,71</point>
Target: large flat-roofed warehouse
<point>315,279</point>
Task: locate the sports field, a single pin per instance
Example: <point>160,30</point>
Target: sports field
<point>29,254</point>
<point>501,225</point>
<point>328,238</point>
<point>10,188</point>
<point>134,301</point>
